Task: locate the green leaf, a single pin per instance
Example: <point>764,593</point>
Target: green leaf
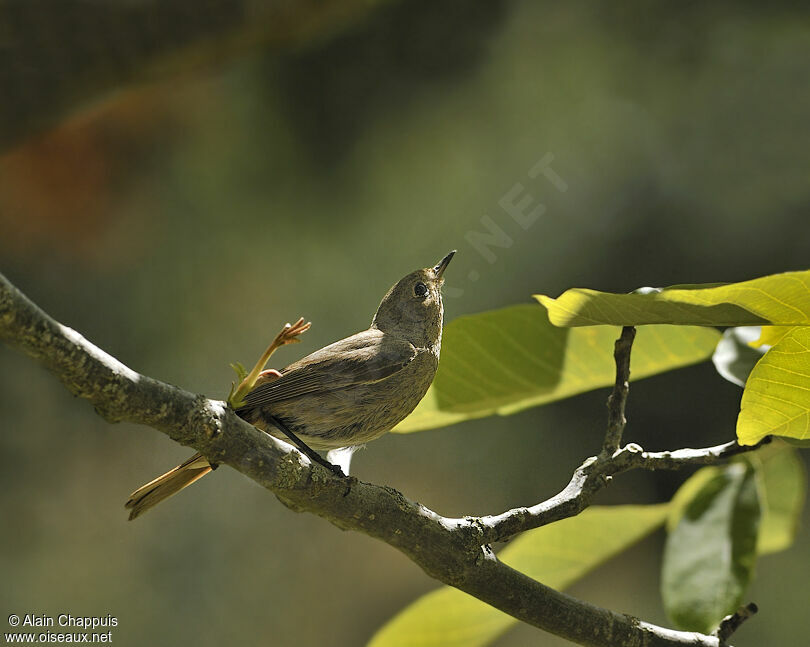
<point>557,555</point>
<point>502,361</point>
<point>770,336</point>
<point>687,493</point>
<point>776,399</point>
<point>782,484</point>
<point>780,299</point>
<point>709,556</point>
<point>241,372</point>
<point>734,358</point>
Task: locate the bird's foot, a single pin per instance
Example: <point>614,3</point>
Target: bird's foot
<point>335,469</point>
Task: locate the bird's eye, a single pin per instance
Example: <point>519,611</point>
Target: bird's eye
<point>420,290</point>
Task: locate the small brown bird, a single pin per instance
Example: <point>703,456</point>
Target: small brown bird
<point>344,394</point>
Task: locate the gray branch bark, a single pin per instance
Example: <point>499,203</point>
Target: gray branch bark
<point>454,551</point>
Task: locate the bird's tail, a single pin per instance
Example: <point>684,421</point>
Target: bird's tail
<point>165,486</point>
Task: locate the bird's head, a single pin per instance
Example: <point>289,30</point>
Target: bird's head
<point>413,308</point>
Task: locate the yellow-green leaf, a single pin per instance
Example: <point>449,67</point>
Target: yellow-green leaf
<point>779,299</point>
<point>502,361</point>
<point>770,336</point>
<point>776,399</point>
<point>557,555</point>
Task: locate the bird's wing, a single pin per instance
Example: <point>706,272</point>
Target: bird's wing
<point>368,356</point>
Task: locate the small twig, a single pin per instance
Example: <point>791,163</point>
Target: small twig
<point>618,398</point>
<point>731,623</point>
<point>287,335</point>
<point>686,457</point>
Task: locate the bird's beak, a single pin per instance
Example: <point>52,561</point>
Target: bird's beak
<point>439,268</point>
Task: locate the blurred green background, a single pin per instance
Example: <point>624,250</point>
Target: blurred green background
<point>178,224</point>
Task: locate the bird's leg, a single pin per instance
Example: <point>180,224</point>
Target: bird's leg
<point>287,335</point>
<point>305,449</point>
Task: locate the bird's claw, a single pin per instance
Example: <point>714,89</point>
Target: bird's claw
<point>336,470</point>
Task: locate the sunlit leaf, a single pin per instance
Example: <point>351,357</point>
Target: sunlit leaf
<point>557,555</point>
<point>502,361</point>
<point>776,399</point>
<point>710,555</point>
<point>770,336</point>
<point>780,299</point>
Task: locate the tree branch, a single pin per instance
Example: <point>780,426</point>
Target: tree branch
<point>453,551</point>
<point>594,475</point>
<point>618,398</point>
<point>732,622</point>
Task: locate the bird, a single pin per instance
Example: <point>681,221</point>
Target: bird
<point>347,393</point>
